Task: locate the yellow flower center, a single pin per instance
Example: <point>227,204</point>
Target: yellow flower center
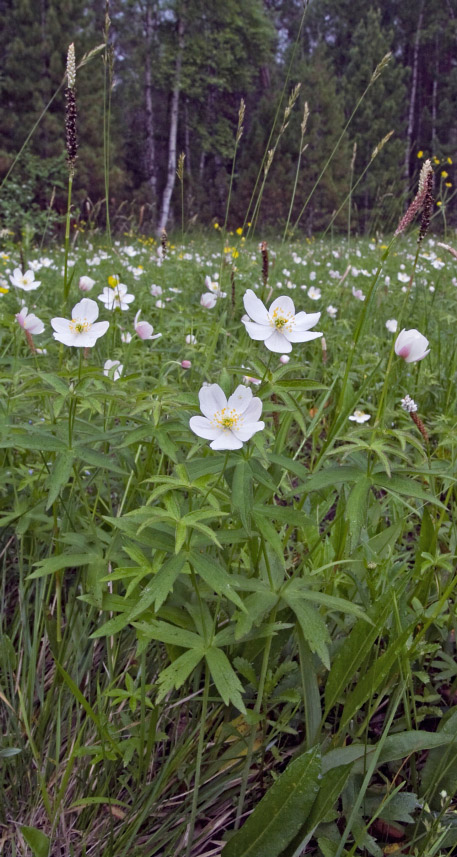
<point>281,320</point>
<point>79,326</point>
<point>226,419</point>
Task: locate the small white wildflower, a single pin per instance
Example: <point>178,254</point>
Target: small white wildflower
<point>408,404</point>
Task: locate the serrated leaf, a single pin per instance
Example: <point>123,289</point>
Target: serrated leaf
<point>403,485</point>
<point>176,674</point>
<point>59,475</point>
<point>313,628</point>
<point>226,680</point>
<point>281,812</point>
<point>64,560</point>
<point>215,577</point>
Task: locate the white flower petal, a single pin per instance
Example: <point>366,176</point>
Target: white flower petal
<point>302,335</point>
<point>255,330</point>
<point>253,411</point>
<point>226,440</point>
<point>203,428</point>
<point>212,399</point>
<point>86,309</point>
<point>306,320</point>
<point>246,432</point>
<point>278,342</point>
<point>240,399</point>
<point>255,308</point>
<point>284,304</point>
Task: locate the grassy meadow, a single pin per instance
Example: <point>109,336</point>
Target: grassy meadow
<point>247,651</point>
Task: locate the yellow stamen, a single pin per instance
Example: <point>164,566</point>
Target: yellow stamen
<point>227,420</point>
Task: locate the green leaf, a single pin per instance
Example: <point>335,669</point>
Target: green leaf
<point>171,634</point>
<point>242,493</point>
<point>356,508</point>
<point>215,577</point>
<point>176,674</point>
<point>64,560</point>
<point>267,530</point>
<point>313,628</point>
<point>371,680</point>
<point>330,788</point>
<point>354,650</point>
<point>403,485</point>
<point>227,682</point>
<point>281,812</point>
<point>59,475</point>
<point>36,840</point>
<point>332,476</point>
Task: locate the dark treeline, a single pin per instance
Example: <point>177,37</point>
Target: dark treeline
<point>174,74</point>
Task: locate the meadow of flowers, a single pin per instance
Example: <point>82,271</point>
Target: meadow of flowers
<point>228,548</point>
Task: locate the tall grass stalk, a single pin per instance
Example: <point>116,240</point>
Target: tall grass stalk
<point>301,150</point>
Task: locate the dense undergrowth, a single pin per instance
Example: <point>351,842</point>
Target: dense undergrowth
<point>186,630</point>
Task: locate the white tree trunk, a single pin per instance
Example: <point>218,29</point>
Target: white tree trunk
<point>149,154</point>
<point>412,99</point>
<point>174,110</point>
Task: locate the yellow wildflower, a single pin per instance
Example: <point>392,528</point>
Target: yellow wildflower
<point>439,202</point>
<point>444,174</point>
<point>420,154</point>
<point>239,231</point>
<point>449,160</point>
<point>113,281</point>
<point>436,160</point>
<point>448,184</point>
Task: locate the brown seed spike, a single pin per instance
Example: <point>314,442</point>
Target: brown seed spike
<point>265,262</point>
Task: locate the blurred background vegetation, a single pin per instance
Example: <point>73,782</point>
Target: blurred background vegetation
<point>176,71</point>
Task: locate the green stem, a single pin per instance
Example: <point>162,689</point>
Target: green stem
<point>66,284</point>
<point>198,764</point>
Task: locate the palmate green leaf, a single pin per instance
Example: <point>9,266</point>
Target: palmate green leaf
<point>242,493</point>
<point>224,677</point>
<point>178,672</point>
<point>36,840</point>
<point>281,812</point>
<point>256,606</point>
<point>59,475</point>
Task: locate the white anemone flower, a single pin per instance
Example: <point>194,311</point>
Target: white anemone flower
<point>214,288</point>
<point>392,325</point>
<point>227,424</point>
<point>113,369</point>
<point>332,311</point>
<point>278,327</point>
<point>314,293</point>
<point>29,321</point>
<point>25,281</point>
<point>411,345</point>
<point>116,298</point>
<point>156,291</point>
<point>359,417</point>
<point>143,329</point>
<point>80,331</point>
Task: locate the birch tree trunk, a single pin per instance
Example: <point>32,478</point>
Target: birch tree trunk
<point>174,110</point>
<point>149,153</point>
<point>412,99</point>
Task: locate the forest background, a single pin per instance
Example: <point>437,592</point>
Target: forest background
<point>175,73</point>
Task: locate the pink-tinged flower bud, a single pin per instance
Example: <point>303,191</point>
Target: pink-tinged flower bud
<point>411,345</point>
<point>284,358</point>
<point>143,329</point>
<point>86,284</point>
<point>208,300</point>
<point>186,364</point>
